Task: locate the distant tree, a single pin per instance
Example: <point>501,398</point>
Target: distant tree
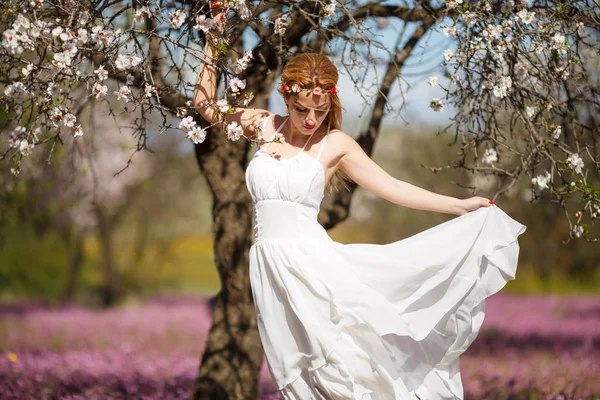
<point>521,76</point>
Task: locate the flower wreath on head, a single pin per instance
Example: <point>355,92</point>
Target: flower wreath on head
<point>295,88</point>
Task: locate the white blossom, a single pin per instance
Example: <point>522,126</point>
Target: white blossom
<point>129,79</point>
<point>11,41</point>
<point>242,63</point>
<point>580,27</point>
<point>187,123</point>
<point>77,131</point>
<point>66,36</point>
<point>575,162</point>
<point>125,61</point>
<point>101,72</point>
<point>21,24</point>
<point>436,104</point>
<point>177,18</point>
<point>149,89</point>
<point>140,13</point>
<point>559,43</point>
<point>530,111</point>
<point>56,115</point>
<point>99,90</point>
<point>56,32</point>
<point>14,139</point>
<point>492,31</point>
<point>123,93</point>
<point>468,17</point>
<point>247,99</point>
<point>450,31</point>
<point>16,91</point>
<point>577,231</point>
<point>62,59</point>
<point>222,105</point>
<point>490,156</point>
<point>281,24</point>
<point>196,134</point>
<point>556,131</point>
<point>448,55</point>
<point>237,84</point>
<point>36,134</point>
<point>503,88</point>
<point>329,9</point>
<point>234,131</point>
<point>82,37</point>
<point>241,8</point>
<point>35,31</point>
<point>541,181</point>
<point>564,73</point>
<point>526,17</point>
<point>97,31</point>
<point>453,3</point>
<point>69,120</point>
<point>27,70</point>
<point>432,80</point>
<point>25,147</point>
<point>521,70</point>
<point>203,24</point>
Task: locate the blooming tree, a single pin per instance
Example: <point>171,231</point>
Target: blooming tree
<point>520,76</point>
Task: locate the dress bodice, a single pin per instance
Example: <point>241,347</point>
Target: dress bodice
<point>299,179</point>
<point>287,194</point>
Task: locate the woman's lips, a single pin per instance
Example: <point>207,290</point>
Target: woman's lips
<point>308,128</point>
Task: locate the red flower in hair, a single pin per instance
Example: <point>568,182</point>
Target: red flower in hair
<point>333,90</point>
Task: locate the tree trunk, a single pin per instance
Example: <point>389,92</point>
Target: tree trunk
<point>74,241</point>
<point>233,355</point>
<point>110,288</point>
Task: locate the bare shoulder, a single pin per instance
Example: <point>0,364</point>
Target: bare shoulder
<point>343,142</point>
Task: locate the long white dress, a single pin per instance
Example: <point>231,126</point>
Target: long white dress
<point>365,321</point>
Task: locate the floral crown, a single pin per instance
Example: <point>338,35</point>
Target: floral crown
<point>318,90</point>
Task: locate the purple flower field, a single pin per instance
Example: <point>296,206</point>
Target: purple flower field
<point>531,347</point>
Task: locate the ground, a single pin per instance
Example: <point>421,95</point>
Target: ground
<point>530,347</point>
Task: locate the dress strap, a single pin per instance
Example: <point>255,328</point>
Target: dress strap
<point>323,144</point>
<point>264,126</point>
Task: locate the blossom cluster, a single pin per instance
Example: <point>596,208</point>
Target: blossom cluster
<point>510,62</point>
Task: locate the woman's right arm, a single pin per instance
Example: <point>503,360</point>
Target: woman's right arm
<point>205,96</point>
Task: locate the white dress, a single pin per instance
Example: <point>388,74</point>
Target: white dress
<point>365,321</point>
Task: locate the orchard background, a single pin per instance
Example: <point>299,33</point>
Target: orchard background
<point>125,223</point>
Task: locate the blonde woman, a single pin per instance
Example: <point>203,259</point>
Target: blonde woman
<point>357,321</point>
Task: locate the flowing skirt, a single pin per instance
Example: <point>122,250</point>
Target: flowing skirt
<point>364,321</point>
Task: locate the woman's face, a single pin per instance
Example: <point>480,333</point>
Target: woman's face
<point>308,111</point>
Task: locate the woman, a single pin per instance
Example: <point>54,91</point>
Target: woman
<point>357,321</point>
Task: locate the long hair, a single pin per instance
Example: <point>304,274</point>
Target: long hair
<point>309,70</point>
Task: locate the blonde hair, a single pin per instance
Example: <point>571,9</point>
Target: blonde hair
<point>309,70</point>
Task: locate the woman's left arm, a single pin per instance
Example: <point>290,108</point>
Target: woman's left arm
<point>365,172</point>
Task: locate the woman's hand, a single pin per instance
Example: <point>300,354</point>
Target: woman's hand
<point>473,203</point>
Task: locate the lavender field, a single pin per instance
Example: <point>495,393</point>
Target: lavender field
<point>531,347</point>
